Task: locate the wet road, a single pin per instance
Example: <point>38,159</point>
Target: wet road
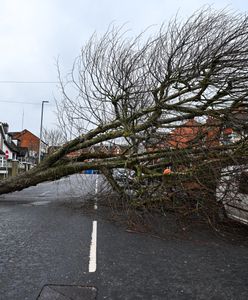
<point>72,187</point>
<point>43,242</point>
<point>40,245</point>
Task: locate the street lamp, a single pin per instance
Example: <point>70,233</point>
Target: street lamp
<point>41,124</point>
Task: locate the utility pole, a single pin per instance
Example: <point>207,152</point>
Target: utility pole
<point>41,125</point>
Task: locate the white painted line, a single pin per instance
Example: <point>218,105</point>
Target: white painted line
<point>96,188</point>
<point>96,191</point>
<point>92,262</point>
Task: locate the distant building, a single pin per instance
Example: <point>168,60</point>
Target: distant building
<point>183,135</point>
<point>28,145</point>
<point>8,149</point>
<point>18,150</point>
<point>107,149</point>
<point>211,134</point>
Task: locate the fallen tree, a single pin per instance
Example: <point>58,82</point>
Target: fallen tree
<point>141,92</point>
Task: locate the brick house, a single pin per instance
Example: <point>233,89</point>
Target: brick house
<point>28,144</point>
<point>194,134</point>
<point>214,132</point>
<point>183,136</point>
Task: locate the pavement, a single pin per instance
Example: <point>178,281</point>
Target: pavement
<point>48,246</point>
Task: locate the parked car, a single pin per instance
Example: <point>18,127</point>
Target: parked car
<point>232,190</point>
<point>122,175</point>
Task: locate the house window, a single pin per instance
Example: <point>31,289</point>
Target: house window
<point>2,162</point>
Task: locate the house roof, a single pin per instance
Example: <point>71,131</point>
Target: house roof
<point>13,134</point>
<point>11,146</point>
<point>17,135</point>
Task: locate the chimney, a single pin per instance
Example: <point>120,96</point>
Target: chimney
<point>5,127</point>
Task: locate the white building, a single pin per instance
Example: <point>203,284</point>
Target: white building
<point>8,150</point>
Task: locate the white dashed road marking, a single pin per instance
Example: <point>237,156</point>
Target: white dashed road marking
<point>93,245</point>
<point>96,191</point>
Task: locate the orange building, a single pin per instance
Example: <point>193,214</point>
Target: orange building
<point>182,136</point>
<point>27,139</point>
<point>28,144</point>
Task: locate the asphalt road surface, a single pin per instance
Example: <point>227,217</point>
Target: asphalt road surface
<point>43,242</point>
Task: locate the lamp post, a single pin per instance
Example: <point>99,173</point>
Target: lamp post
<point>41,125</point>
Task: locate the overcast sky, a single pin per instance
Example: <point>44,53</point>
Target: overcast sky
<point>34,33</point>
